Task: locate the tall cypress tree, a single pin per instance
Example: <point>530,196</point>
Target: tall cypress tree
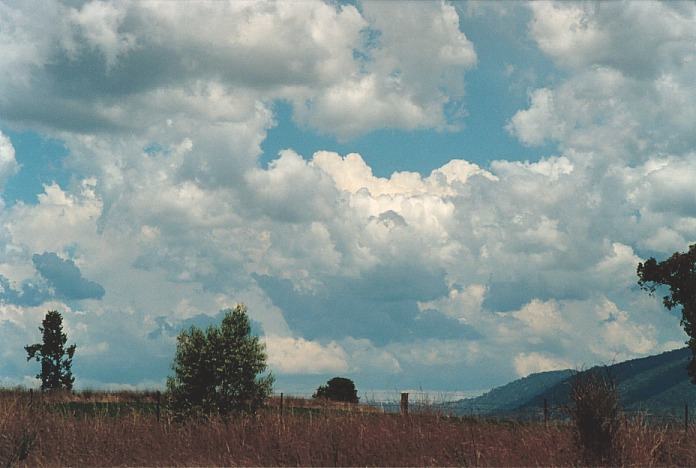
<point>55,358</point>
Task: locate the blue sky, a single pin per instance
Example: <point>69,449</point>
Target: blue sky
<point>40,159</point>
<point>429,195</point>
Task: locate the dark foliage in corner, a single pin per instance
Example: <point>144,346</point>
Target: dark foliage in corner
<point>678,273</point>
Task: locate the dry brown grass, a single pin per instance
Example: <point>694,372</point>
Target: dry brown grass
<point>39,435</point>
<point>292,403</point>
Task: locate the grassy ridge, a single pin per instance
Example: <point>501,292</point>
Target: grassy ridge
<point>658,384</point>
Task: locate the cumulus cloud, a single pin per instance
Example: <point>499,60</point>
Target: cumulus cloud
<point>579,35</point>
<point>414,68</point>
<point>139,64</point>
<point>466,261</point>
<point>466,276</point>
<point>28,293</point>
<point>299,356</point>
<point>628,69</point>
<point>410,273</point>
<point>529,363</point>
<point>8,163</point>
<point>65,277</point>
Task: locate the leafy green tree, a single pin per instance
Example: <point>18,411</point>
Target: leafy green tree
<point>678,273</point>
<point>219,370</point>
<point>55,358</point>
<point>338,389</point>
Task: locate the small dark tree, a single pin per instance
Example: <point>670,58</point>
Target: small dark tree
<point>218,371</point>
<point>678,272</point>
<point>595,411</point>
<point>338,389</point>
<point>56,360</point>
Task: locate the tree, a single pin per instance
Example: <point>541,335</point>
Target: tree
<point>219,370</point>
<point>56,360</point>
<point>338,389</point>
<point>678,272</point>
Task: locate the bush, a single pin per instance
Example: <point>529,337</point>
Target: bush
<point>595,412</point>
<point>219,370</point>
<point>338,389</point>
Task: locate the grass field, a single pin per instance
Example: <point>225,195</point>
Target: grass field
<point>107,429</point>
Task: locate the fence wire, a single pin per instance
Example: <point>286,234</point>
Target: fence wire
<point>679,415</point>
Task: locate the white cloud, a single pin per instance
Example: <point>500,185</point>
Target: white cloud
<point>532,126</point>
<point>542,318</point>
<point>621,338</point>
<point>365,357</point>
<point>56,219</point>
<point>414,68</point>
<point>640,38</point>
<point>529,363</point>
<point>8,163</point>
<point>629,71</point>
<point>515,238</point>
<point>345,271</point>
<point>99,24</point>
<point>464,305</point>
<point>619,265</point>
<point>142,64</point>
<point>299,356</point>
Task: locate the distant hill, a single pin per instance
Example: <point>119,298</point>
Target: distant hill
<point>511,396</point>
<point>657,383</point>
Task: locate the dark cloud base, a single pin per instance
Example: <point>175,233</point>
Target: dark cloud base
<point>66,278</point>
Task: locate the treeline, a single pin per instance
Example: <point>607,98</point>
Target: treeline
<point>219,370</point>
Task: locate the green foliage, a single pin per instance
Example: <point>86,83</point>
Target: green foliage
<point>338,389</point>
<point>56,360</point>
<point>219,370</point>
<point>678,272</point>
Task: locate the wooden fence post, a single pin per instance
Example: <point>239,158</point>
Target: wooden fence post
<point>546,412</point>
<point>404,403</point>
<point>31,396</point>
<point>159,395</point>
<point>686,417</point>
<point>281,404</point>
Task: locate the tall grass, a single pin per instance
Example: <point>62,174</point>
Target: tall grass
<point>40,435</point>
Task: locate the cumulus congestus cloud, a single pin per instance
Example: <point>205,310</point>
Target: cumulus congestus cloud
<point>459,276</point>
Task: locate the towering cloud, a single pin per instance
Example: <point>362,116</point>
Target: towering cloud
<point>462,277</point>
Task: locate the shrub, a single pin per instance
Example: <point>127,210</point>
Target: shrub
<point>338,389</point>
<point>595,411</point>
<point>219,370</point>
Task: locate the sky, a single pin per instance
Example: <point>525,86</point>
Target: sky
<point>414,195</point>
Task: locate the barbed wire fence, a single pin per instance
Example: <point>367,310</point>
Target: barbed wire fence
<point>679,415</point>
